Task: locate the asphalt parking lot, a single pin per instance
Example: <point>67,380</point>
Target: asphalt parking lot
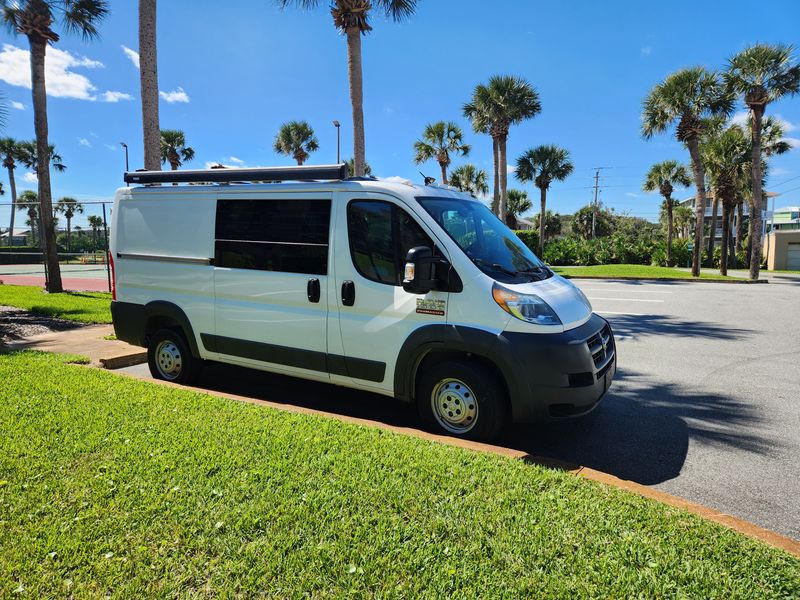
<point>705,405</point>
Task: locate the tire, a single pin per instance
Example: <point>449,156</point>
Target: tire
<point>462,399</point>
<point>170,359</point>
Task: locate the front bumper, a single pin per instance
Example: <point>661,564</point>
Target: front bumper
<point>559,375</point>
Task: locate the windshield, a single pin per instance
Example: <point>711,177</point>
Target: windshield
<point>492,246</point>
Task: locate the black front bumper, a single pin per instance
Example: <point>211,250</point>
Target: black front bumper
<point>558,375</point>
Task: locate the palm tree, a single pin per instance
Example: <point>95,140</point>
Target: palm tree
<point>438,141</point>
<point>10,153</point>
<point>663,177</point>
<point>543,165</point>
<point>35,19</point>
<point>504,101</point>
<point>518,203</point>
<point>685,98</point>
<point>351,17</point>
<point>69,207</point>
<point>174,149</point>
<point>95,223</point>
<point>479,117</point>
<point>470,179</point>
<point>148,81</point>
<point>351,167</point>
<point>296,139</point>
<point>28,202</point>
<point>762,73</point>
<point>28,156</point>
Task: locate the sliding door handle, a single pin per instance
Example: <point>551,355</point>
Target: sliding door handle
<point>348,293</point>
<point>312,290</point>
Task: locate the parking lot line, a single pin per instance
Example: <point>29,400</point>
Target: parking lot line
<point>614,312</point>
<point>626,299</point>
<point>627,291</point>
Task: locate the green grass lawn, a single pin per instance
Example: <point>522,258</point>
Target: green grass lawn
<point>86,307</point>
<point>640,271</point>
<point>114,486</point>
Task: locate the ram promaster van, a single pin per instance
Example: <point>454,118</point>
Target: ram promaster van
<point>415,292</point>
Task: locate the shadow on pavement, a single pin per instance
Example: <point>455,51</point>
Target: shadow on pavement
<point>634,326</point>
<point>641,430</point>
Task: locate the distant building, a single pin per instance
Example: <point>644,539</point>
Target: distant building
<point>524,224</point>
<point>786,218</point>
<point>20,237</point>
<point>690,202</point>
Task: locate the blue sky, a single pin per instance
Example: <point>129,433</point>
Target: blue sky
<point>246,67</point>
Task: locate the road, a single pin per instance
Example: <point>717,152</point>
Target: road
<point>706,403</point>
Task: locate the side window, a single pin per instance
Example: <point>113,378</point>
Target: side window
<point>273,235</point>
<point>381,234</point>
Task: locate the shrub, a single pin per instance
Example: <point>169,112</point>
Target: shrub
<point>530,238</point>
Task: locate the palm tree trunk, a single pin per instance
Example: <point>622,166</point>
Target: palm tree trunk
<point>739,220</point>
<point>668,200</point>
<point>13,185</point>
<point>39,94</point>
<point>496,160</point>
<point>731,247</point>
<point>501,168</point>
<point>444,173</point>
<point>69,235</point>
<point>749,249</point>
<point>148,79</point>
<point>712,237</point>
<point>700,204</point>
<point>355,75</point>
<point>542,212</point>
<point>723,260</point>
<point>755,217</point>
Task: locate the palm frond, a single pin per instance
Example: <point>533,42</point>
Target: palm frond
<point>83,16</point>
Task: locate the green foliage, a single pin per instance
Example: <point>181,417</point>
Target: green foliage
<point>174,149</point>
<point>296,139</point>
<point>636,272</point>
<point>470,179</point>
<point>530,238</point>
<point>85,307</point>
<point>582,222</point>
<point>552,224</point>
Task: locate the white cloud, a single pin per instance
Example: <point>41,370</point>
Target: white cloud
<point>740,118</point>
<point>30,177</point>
<point>17,105</point>
<point>236,161</point>
<point>792,141</point>
<point>84,142</point>
<point>632,195</point>
<point>111,96</point>
<point>177,95</point>
<point>788,126</point>
<point>511,169</point>
<point>111,147</point>
<point>646,50</point>
<point>132,55</point>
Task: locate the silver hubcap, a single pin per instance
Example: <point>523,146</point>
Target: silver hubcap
<point>168,360</point>
<point>454,405</point>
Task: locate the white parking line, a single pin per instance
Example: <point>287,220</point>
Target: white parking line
<point>626,299</point>
<point>612,312</point>
<point>625,291</point>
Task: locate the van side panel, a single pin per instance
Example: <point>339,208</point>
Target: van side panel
<point>163,251</point>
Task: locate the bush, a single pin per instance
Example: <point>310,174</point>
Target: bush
<point>20,255</point>
<point>530,238</point>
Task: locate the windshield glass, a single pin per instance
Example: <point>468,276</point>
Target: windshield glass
<point>491,245</point>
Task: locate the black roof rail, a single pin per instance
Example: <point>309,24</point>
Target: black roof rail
<point>298,173</point>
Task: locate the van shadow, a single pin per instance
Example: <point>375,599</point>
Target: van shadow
<point>641,431</point>
<point>636,326</point>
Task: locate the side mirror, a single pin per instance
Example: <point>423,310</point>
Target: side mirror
<point>419,275</point>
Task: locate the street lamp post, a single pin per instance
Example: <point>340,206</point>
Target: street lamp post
<point>124,145</point>
<point>338,157</point>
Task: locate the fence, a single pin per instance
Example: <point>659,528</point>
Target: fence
<point>82,242</point>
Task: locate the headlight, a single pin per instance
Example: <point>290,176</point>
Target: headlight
<point>526,307</point>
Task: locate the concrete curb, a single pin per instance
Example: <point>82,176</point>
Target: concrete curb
<point>659,280</point>
<point>123,360</point>
<point>740,525</point>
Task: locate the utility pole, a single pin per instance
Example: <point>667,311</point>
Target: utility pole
<point>594,205</point>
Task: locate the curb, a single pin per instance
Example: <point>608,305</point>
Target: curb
<point>658,280</point>
<point>123,360</point>
<point>746,528</point>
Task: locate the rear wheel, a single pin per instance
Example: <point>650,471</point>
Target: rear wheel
<point>463,399</point>
<point>170,359</point>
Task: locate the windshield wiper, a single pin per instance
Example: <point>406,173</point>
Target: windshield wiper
<point>495,266</point>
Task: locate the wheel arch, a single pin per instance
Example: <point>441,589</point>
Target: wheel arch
<point>161,314</point>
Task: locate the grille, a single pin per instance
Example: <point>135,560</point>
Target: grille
<point>601,345</point>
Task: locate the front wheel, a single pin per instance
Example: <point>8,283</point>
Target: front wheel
<point>170,359</point>
<point>462,399</point>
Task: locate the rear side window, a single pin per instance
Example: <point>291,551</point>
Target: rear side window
<point>273,235</point>
<point>381,234</point>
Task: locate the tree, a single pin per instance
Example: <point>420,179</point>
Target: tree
<point>35,19</point>
<point>582,222</point>
<point>762,74</point>
<point>504,101</point>
<point>663,177</point>
<point>148,81</point>
<point>296,139</point>
<point>351,167</point>
<point>543,165</point>
<point>174,149</point>
<point>518,204</point>
<point>552,223</point>
<point>95,223</point>
<point>683,218</point>
<point>351,17</point>
<point>69,207</point>
<point>470,179</point>
<point>28,156</point>
<point>684,99</point>
<point>438,141</point>
<point>28,202</point>
<point>10,150</point>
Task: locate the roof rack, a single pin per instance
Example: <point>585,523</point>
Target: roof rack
<point>300,173</point>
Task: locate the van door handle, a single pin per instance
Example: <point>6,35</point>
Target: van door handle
<point>312,290</point>
<point>348,293</point>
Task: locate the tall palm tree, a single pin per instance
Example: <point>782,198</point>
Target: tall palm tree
<point>174,149</point>
<point>438,141</point>
<point>10,153</point>
<point>684,99</point>
<point>28,202</point>
<point>762,73</point>
<point>518,203</point>
<point>95,222</point>
<point>494,107</point>
<point>296,139</point>
<point>29,157</point>
<point>35,19</point>
<point>480,120</point>
<point>69,207</point>
<point>663,177</point>
<point>351,17</point>
<point>543,165</point>
<point>148,81</point>
<point>351,167</point>
<point>470,179</point>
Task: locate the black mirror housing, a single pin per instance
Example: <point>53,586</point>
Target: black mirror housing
<point>419,275</point>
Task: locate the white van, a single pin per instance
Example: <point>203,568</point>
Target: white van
<point>414,292</point>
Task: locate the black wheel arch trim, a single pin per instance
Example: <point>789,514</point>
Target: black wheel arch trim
<point>130,321</point>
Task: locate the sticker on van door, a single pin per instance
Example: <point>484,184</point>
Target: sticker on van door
<point>431,306</point>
